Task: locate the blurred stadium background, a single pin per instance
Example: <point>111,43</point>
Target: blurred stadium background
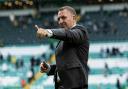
<point>21,52</point>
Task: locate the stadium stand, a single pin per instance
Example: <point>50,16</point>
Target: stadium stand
<point>21,52</point>
<point>110,24</point>
<point>20,29</point>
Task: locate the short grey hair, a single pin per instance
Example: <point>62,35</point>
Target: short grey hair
<point>69,8</point>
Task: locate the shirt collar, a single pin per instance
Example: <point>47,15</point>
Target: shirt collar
<point>73,25</point>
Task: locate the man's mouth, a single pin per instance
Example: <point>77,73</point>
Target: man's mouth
<point>63,25</point>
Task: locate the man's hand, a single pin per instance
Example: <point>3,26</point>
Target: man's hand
<point>41,33</point>
<point>44,67</point>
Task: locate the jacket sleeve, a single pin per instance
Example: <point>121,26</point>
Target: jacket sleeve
<point>52,70</point>
<point>74,35</point>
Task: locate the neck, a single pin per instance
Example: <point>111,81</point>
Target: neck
<point>71,26</point>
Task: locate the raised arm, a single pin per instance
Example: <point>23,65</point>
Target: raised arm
<point>77,34</point>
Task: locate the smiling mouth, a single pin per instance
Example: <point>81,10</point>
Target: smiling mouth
<point>63,25</point>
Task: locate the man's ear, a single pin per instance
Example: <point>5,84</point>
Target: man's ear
<point>74,17</point>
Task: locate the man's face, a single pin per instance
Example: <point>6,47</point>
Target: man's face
<point>66,19</point>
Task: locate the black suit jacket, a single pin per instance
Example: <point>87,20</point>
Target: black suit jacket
<point>71,57</point>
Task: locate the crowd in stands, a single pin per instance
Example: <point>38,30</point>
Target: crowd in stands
<point>101,25</point>
<point>28,67</point>
<point>24,67</point>
<point>110,52</point>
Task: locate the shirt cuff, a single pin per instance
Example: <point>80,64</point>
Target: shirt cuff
<point>50,33</point>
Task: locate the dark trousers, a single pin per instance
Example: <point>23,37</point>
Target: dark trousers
<point>61,87</point>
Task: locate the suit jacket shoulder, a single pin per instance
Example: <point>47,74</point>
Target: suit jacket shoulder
<point>83,28</point>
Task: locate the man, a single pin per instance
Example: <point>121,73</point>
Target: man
<point>70,71</point>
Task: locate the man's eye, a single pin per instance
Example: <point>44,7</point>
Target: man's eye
<point>63,17</point>
<point>58,19</point>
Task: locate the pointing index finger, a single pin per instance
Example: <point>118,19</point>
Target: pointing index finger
<point>36,27</point>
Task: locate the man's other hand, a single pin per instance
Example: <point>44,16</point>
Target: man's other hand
<point>44,67</point>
